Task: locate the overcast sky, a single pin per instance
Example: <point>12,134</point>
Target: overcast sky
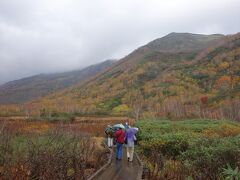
<point>44,36</point>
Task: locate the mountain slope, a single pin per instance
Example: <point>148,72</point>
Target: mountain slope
<point>146,77</point>
<point>30,88</point>
<point>177,76</point>
<point>183,42</point>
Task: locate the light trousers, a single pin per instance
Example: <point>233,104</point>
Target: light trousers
<point>130,152</point>
<point>110,142</point>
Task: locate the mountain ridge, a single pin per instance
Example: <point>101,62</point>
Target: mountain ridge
<point>33,87</point>
<point>182,82</point>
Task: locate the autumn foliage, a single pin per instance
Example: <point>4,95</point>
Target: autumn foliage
<point>42,150</point>
<point>149,83</point>
<point>204,100</point>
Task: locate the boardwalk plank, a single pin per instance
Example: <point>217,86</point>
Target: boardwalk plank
<point>121,169</point>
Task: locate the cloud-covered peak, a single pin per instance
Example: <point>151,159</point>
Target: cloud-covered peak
<point>60,35</point>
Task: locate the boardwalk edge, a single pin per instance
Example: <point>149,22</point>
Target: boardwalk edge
<point>140,172</point>
<point>103,167</point>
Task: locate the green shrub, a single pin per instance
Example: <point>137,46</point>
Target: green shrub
<point>202,147</point>
<point>170,145</point>
<point>107,106</point>
<point>230,174</point>
<point>56,116</point>
<point>200,76</point>
<point>208,157</point>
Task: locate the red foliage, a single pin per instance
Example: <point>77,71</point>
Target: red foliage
<point>204,100</point>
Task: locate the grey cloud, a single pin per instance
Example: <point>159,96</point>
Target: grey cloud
<point>44,36</point>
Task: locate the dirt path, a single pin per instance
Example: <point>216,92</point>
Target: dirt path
<point>121,170</point>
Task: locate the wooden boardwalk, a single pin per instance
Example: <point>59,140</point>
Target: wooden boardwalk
<point>121,169</point>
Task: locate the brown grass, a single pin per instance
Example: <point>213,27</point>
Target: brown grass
<point>74,158</point>
<point>93,126</point>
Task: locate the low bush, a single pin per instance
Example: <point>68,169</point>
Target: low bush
<point>197,149</point>
<point>55,116</point>
<point>207,157</point>
<point>56,155</point>
<point>230,173</point>
<point>170,145</point>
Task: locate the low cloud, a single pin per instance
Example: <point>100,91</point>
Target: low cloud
<point>60,35</point>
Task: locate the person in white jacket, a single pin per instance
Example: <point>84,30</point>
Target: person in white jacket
<point>110,134</point>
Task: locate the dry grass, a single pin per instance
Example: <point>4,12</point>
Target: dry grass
<point>49,150</point>
<point>93,126</point>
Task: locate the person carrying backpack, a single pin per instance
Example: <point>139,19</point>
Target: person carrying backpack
<point>120,137</point>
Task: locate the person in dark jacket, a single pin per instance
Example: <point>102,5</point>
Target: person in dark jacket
<point>120,137</point>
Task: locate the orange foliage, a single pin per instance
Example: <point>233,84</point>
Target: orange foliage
<point>224,130</point>
<point>223,81</point>
<point>35,127</point>
<point>19,171</point>
<point>224,65</point>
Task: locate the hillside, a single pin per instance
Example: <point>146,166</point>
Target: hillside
<point>177,76</point>
<point>183,42</point>
<point>30,88</point>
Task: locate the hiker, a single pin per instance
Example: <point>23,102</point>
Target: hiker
<point>120,136</point>
<point>126,125</point>
<point>129,141</point>
<point>110,134</point>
